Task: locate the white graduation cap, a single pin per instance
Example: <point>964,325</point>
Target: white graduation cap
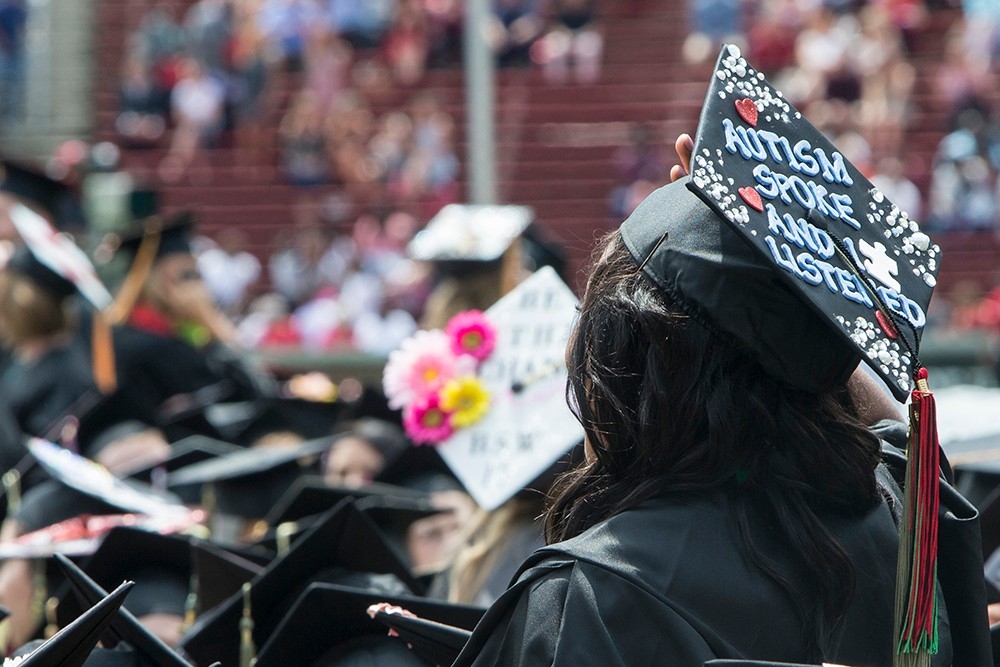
<point>467,232</point>
<point>529,425</point>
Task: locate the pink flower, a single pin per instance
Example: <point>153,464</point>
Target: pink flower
<point>472,334</point>
<point>421,366</point>
<point>426,422</point>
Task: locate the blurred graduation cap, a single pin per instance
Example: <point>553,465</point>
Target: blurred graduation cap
<point>185,453</point>
<point>160,565</point>
<point>467,233</point>
<point>528,426</point>
<point>54,262</point>
<point>95,481</point>
<point>124,631</point>
<point>32,185</point>
<point>310,495</point>
<point>779,245</point>
<point>219,573</point>
<point>420,469</point>
<point>71,646</point>
<point>248,482</point>
<point>345,548</point>
<point>329,626</point>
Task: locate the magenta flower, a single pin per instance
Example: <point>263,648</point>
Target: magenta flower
<point>426,422</point>
<point>420,367</point>
<point>472,334</point>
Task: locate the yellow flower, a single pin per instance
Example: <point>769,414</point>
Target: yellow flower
<point>467,398</point>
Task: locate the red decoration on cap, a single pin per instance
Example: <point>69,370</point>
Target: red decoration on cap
<point>747,110</point>
<point>887,326</point>
<point>752,197</point>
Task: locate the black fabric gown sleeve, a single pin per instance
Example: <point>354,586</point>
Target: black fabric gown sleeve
<point>577,614</point>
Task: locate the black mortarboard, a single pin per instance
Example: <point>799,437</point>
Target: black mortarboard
<point>160,565</point>
<point>169,234</point>
<point>184,453</point>
<point>776,198</point>
<point>421,469</point>
<point>124,628</point>
<point>327,617</point>
<point>310,495</point>
<point>219,573</point>
<point>33,186</point>
<point>248,482</point>
<point>53,260</point>
<point>71,646</point>
<point>307,419</point>
<point>345,546</point>
<point>754,663</point>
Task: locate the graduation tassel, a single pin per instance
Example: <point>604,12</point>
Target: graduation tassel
<point>916,576</point>
<point>103,355</point>
<point>248,650</point>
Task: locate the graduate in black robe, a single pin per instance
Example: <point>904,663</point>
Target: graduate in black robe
<point>734,503</point>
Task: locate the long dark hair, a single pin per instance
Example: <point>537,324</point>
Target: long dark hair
<point>669,405</point>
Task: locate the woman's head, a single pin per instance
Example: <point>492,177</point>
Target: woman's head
<point>29,311</point>
<point>661,393</point>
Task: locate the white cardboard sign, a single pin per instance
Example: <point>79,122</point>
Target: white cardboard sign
<point>529,425</point>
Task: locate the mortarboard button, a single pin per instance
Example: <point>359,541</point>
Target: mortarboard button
<point>864,269</point>
<point>324,620</point>
<point>342,546</point>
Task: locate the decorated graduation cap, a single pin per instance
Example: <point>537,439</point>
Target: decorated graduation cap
<point>779,243</point>
<point>345,548</point>
<point>495,406</point>
<point>329,626</point>
<point>470,233</point>
<point>124,632</point>
<point>32,185</point>
<point>160,566</point>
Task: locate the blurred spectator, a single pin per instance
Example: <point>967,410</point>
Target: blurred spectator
<point>247,79</point>
<point>13,19</point>
<point>901,191</point>
<point>229,271</point>
<point>431,168</point>
<point>362,24</point>
<point>390,145</point>
<point>328,60</point>
<point>208,25</point>
<point>982,32</point>
<point>444,24</point>
<point>349,126</point>
<point>822,56</point>
<point>143,105</point>
<point>407,44</point>
<point>285,25</point>
<point>640,167</point>
<point>771,36</point>
<point>197,104</point>
<point>159,40</point>
<point>514,27</point>
<point>964,177</point>
<point>574,44</point>
<point>712,22</point>
<point>305,263</point>
<point>304,160</point>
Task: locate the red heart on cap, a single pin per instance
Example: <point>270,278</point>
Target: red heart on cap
<point>752,197</point>
<point>887,326</point>
<point>747,111</point>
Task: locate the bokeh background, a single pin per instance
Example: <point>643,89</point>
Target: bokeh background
<point>313,138</point>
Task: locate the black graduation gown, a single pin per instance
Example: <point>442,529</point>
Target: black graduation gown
<point>669,583</point>
<point>40,393</point>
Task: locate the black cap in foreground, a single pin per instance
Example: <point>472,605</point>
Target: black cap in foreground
<point>219,573</point>
<point>776,198</point>
<point>345,547</point>
<point>31,185</point>
<point>323,626</point>
<point>124,627</point>
<point>71,646</point>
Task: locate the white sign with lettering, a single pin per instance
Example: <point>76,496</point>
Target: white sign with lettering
<point>529,425</point>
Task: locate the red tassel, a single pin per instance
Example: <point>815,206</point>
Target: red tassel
<point>916,598</point>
